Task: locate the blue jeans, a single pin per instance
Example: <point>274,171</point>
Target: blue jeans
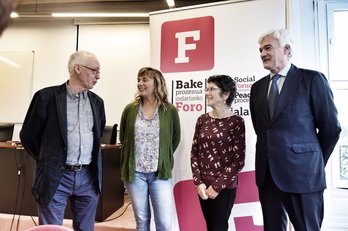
<point>79,187</point>
<point>147,187</point>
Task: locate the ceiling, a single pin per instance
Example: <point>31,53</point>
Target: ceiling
<point>34,10</point>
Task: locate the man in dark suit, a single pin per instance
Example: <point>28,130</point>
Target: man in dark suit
<point>295,138</point>
<point>62,132</point>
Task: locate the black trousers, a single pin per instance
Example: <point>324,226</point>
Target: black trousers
<point>217,211</point>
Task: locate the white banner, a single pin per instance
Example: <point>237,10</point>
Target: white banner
<point>190,44</point>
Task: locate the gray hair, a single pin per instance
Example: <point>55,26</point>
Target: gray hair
<point>78,57</point>
<point>283,36</point>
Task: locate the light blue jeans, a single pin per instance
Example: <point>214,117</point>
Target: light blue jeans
<point>147,187</point>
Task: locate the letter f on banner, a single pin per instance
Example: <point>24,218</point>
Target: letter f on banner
<point>183,46</point>
<point>187,45</point>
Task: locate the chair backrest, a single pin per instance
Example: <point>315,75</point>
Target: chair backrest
<point>6,132</point>
<point>110,135</point>
<point>49,228</point>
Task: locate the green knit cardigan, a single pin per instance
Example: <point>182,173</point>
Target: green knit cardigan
<point>169,141</point>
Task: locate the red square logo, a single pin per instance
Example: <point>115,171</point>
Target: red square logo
<point>187,45</point>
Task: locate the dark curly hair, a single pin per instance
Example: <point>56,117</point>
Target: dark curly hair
<point>226,84</point>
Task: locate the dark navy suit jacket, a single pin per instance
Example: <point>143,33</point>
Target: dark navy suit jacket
<point>299,139</point>
<point>44,137</point>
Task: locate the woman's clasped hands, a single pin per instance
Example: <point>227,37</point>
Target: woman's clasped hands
<point>206,193</point>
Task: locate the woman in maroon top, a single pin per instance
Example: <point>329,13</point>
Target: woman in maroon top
<point>218,153</point>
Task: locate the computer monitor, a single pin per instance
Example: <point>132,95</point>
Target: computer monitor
<point>6,132</point>
<point>110,135</point>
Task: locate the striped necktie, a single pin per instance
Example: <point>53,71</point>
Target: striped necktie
<point>273,95</point>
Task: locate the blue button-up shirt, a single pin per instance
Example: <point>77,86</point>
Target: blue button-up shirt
<point>80,128</point>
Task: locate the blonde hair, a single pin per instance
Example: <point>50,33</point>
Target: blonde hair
<point>161,93</point>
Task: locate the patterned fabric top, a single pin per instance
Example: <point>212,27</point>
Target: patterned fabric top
<point>146,142</point>
<point>218,151</point>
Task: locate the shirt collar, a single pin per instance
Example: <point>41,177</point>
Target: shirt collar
<point>283,72</point>
<point>73,95</point>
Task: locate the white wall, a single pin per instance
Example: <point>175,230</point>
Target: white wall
<point>121,49</point>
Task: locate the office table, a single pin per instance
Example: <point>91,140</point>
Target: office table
<point>17,173</point>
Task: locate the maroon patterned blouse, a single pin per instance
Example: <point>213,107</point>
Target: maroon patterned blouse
<point>218,151</point>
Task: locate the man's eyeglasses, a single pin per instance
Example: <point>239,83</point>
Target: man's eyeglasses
<point>95,71</point>
<point>211,89</point>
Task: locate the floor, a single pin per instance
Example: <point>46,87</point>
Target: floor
<point>121,220</point>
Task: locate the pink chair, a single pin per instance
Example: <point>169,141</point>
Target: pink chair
<point>49,228</point>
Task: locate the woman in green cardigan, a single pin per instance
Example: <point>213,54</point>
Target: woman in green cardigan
<point>150,134</point>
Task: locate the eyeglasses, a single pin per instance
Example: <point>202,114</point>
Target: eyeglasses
<point>211,89</point>
<point>95,71</point>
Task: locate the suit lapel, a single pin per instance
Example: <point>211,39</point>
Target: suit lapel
<point>291,83</point>
<point>264,97</point>
<point>62,111</point>
<point>94,107</point>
